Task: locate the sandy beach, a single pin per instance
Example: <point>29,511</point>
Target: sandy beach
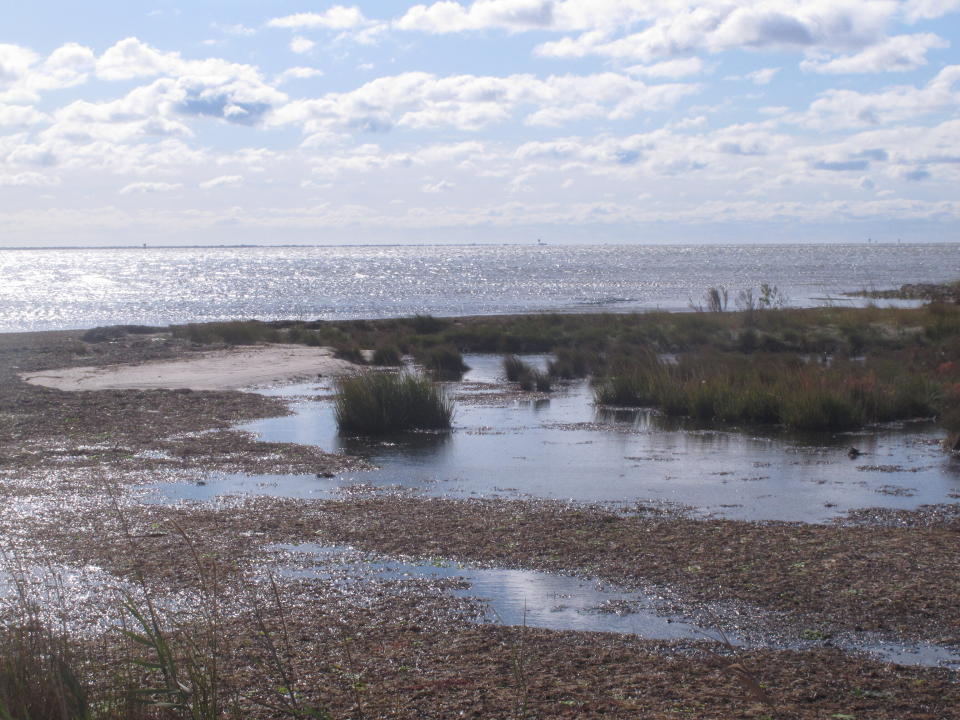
<point>227,369</point>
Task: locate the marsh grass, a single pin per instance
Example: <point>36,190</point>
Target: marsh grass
<point>443,362</point>
<point>514,367</point>
<point>535,380</point>
<point>387,356</point>
<point>771,389</point>
<point>571,364</point>
<point>375,403</point>
<point>350,353</point>
<point>237,332</point>
<point>38,675</point>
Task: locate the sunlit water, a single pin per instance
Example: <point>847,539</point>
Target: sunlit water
<point>558,602</point>
<point>565,448</point>
<point>80,288</point>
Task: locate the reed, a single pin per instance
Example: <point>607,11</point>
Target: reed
<point>237,332</point>
<point>378,403</point>
<point>514,368</point>
<point>771,390</point>
<point>387,356</point>
<point>444,362</point>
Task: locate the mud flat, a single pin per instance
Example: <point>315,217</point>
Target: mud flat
<point>75,465</point>
<point>227,369</point>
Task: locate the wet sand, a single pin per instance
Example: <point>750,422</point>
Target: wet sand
<point>227,369</point>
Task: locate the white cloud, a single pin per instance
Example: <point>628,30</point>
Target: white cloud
<point>449,16</point>
<point>671,69</point>
<point>23,76</point>
<point>681,28</point>
<point>338,17</point>
<point>20,115</point>
<point>762,76</point>
<point>836,109</point>
<point>471,102</point>
<point>150,187</point>
<point>915,10</point>
<point>237,30</point>
<point>895,54</point>
<point>15,61</point>
<point>301,44</point>
<point>438,187</point>
<point>29,179</point>
<point>189,88</point>
<point>297,73</point>
<point>222,181</point>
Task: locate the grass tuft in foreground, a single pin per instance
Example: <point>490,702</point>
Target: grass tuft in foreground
<point>378,403</point>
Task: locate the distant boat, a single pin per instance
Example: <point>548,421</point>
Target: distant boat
<point>540,242</point>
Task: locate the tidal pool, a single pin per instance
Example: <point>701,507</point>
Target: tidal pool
<point>558,602</point>
<point>563,447</point>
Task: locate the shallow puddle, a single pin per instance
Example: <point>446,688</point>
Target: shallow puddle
<point>563,447</point>
<point>515,597</point>
<point>558,602</point>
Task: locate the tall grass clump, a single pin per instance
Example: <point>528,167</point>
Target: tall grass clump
<point>427,324</point>
<point>38,677</point>
<point>535,380</point>
<point>387,356</point>
<point>378,403</point>
<point>514,368</point>
<point>771,389</point>
<point>572,364</point>
<point>235,332</point>
<point>443,362</point>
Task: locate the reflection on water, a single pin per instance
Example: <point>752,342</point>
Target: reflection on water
<point>565,448</point>
<point>558,602</point>
<point>515,597</point>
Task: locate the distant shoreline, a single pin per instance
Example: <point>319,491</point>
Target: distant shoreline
<point>533,244</point>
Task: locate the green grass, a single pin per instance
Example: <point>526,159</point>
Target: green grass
<point>535,380</point>
<point>772,389</point>
<point>603,345</point>
<point>38,676</point>
<point>387,356</point>
<point>237,332</point>
<point>444,362</point>
<point>378,403</point>
<point>514,368</point>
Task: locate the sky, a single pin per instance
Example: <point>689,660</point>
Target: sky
<point>569,121</point>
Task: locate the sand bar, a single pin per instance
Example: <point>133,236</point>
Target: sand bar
<point>229,369</point>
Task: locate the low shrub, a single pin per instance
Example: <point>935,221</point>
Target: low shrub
<point>234,332</point>
<point>535,380</point>
<point>571,364</point>
<point>37,675</point>
<point>514,367</point>
<point>427,324</point>
<point>377,403</point>
<point>387,356</point>
<point>443,362</point>
<point>300,335</point>
<point>771,390</point>
<point>350,353</point>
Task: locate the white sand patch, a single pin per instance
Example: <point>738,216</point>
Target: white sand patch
<point>229,369</point>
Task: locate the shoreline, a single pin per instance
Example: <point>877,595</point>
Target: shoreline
<point>227,369</point>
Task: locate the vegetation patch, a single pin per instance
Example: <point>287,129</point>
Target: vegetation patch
<point>772,389</point>
<point>377,403</point>
<point>444,362</point>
